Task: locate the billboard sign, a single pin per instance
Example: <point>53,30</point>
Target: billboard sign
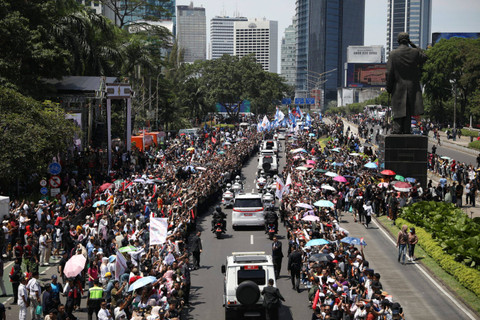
<point>437,36</point>
<point>362,75</point>
<point>286,101</point>
<point>244,107</point>
<point>364,54</point>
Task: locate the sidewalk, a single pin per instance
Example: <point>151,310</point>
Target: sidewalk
<point>461,144</point>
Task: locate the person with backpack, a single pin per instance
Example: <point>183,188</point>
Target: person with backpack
<point>402,240</point>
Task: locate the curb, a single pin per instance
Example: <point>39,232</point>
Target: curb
<point>447,287</point>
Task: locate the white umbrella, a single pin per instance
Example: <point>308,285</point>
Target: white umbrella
<point>331,174</point>
<point>139,180</point>
<point>201,168</point>
<point>327,187</point>
<point>301,168</point>
<point>304,205</point>
<point>310,218</point>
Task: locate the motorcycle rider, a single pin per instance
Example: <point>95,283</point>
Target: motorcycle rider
<point>271,218</point>
<point>219,216</point>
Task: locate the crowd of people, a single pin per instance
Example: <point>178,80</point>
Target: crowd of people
<point>107,221</point>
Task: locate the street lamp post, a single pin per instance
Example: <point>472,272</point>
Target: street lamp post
<point>455,113</point>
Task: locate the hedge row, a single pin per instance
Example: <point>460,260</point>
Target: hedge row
<point>468,277</point>
<point>475,144</point>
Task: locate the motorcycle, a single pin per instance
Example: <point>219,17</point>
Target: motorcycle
<point>218,230</point>
<point>271,230</point>
<point>269,200</point>
<point>228,198</point>
<point>261,183</point>
<point>237,187</point>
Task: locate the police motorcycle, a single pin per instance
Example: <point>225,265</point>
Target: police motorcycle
<point>271,223</point>
<point>228,197</point>
<point>237,185</point>
<point>219,224</point>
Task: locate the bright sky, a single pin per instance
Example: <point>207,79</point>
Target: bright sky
<point>447,15</point>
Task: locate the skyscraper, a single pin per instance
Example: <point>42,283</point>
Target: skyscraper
<point>412,16</point>
<point>259,36</point>
<point>325,28</point>
<point>221,36</point>
<point>192,32</point>
<point>288,56</point>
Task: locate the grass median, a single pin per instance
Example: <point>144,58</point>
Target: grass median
<point>467,296</point>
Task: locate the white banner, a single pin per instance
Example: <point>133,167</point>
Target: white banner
<point>158,230</point>
<point>286,188</point>
<point>120,265</point>
<point>280,186</point>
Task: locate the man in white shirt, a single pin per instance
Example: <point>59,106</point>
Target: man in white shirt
<point>22,299</point>
<point>104,314</point>
<point>34,293</point>
<point>42,247</point>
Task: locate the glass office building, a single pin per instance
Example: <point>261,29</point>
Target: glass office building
<point>221,36</point>
<point>288,56</point>
<point>192,32</point>
<point>412,16</point>
<point>325,28</point>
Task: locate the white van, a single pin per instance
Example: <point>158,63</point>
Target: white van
<point>269,145</point>
<point>248,210</point>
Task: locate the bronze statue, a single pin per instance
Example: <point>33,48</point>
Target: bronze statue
<point>403,83</point>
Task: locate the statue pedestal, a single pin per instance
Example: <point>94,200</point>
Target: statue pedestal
<point>405,154</point>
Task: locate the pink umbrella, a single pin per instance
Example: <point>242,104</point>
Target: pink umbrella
<point>383,184</point>
<point>309,166</point>
<point>105,186</point>
<point>311,162</point>
<point>402,186</point>
<point>340,179</point>
<point>310,218</point>
<point>74,266</point>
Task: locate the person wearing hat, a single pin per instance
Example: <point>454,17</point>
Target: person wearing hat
<point>57,288</point>
<point>403,83</point>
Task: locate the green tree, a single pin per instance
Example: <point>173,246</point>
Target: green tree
<point>31,134</point>
<point>135,12</point>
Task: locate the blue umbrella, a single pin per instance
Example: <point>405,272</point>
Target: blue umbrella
<point>311,134</point>
<point>338,164</point>
<point>317,242</point>
<point>410,180</point>
<point>354,241</point>
<point>100,203</point>
<point>371,165</point>
<point>324,203</point>
<point>142,282</point>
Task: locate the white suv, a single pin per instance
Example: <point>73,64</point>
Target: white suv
<point>247,210</point>
<point>268,163</point>
<point>246,274</point>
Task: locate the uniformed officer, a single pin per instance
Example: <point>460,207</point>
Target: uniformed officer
<point>95,298</point>
<point>294,266</point>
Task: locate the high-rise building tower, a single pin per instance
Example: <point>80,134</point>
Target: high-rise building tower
<point>259,36</point>
<point>192,32</point>
<point>287,63</point>
<point>221,36</point>
<point>325,28</point>
<point>412,16</point>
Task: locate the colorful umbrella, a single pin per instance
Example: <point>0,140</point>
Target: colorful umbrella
<point>402,186</point>
<point>354,241</point>
<point>142,282</point>
<point>320,170</point>
<point>324,204</point>
<point>100,203</point>
<point>105,186</point>
<point>311,218</point>
<point>317,242</point>
<point>340,179</point>
<point>127,249</point>
<point>336,149</point>
<point>304,205</point>
<point>74,266</point>
<point>331,174</point>
<point>191,149</point>
<point>399,178</point>
<point>383,184</point>
<point>371,165</point>
<point>410,180</point>
<point>388,173</point>
<point>301,168</point>
<point>310,161</point>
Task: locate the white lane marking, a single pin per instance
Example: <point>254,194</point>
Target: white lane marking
<point>251,239</point>
<point>7,265</point>
<point>44,272</point>
<point>459,306</point>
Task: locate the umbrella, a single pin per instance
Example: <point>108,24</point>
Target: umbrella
<point>317,242</point>
<point>383,184</point>
<point>354,241</point>
<point>298,150</point>
<point>221,152</point>
<point>142,282</point>
<point>311,218</point>
<point>320,257</point>
<point>127,249</point>
<point>371,165</point>
<point>402,186</point>
<point>399,178</point>
<point>105,186</point>
<point>327,187</point>
<point>74,266</point>
<point>446,158</point>
<point>355,154</point>
<point>201,168</point>
<point>310,161</point>
<point>100,203</point>
<point>309,166</point>
<point>302,168</point>
<point>331,174</point>
<point>112,258</point>
<point>139,180</point>
<point>227,143</point>
<point>388,173</point>
<point>338,164</point>
<point>304,205</point>
<point>320,170</point>
<point>336,149</point>
<point>191,149</point>
<point>311,134</point>
<point>340,179</point>
<point>324,204</point>
<point>410,180</point>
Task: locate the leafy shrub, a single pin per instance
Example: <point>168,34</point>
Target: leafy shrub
<point>474,144</point>
<point>469,133</point>
<point>468,277</point>
<point>455,232</point>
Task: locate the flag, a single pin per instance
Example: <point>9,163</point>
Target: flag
<point>288,182</point>
<point>279,115</point>
<point>299,112</point>
<point>158,230</point>
<point>120,265</point>
<point>265,123</point>
<point>214,141</point>
<point>308,120</point>
<point>280,186</point>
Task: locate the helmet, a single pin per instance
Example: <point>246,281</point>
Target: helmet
<point>237,177</point>
<point>218,209</point>
<point>229,185</point>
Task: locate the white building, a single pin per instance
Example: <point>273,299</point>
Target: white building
<point>258,36</point>
<point>192,32</point>
<point>221,36</point>
<point>289,51</point>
